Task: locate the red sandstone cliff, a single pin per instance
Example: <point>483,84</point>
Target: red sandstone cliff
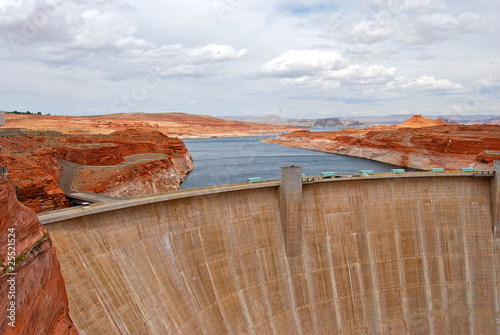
<point>418,143</point>
<point>38,291</point>
<point>149,174</point>
<point>33,161</point>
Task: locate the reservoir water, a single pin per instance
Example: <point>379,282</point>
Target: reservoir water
<point>222,161</point>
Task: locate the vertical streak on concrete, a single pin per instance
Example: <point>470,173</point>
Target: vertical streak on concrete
<point>242,299</point>
<point>375,280</point>
<point>402,277</point>
<point>293,297</point>
<point>227,322</point>
<point>266,303</point>
<point>371,309</point>
<point>468,280</point>
<point>468,284</point>
<point>442,279</point>
<point>336,300</point>
<point>424,252</point>
<point>291,209</point>
<point>495,199</point>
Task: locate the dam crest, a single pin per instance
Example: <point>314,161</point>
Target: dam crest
<point>405,254</point>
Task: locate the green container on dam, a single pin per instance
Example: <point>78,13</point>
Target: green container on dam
<point>395,171</point>
<point>254,180</point>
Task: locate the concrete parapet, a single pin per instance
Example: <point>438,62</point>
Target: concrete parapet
<point>291,209</point>
<point>495,199</point>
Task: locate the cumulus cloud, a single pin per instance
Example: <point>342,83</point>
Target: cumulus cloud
<point>331,74</point>
<point>408,6</point>
<point>104,30</point>
<point>409,23</point>
<point>368,52</point>
<point>430,83</point>
<point>296,63</point>
<point>214,53</point>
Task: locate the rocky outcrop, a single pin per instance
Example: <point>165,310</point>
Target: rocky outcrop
<point>32,290</point>
<point>33,160</point>
<point>135,179</point>
<point>146,174</point>
<point>34,167</point>
<point>418,121</point>
<point>418,143</point>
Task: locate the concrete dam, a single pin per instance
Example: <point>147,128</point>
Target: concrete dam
<point>405,254</point>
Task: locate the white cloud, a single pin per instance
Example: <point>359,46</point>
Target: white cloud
<point>430,83</point>
<point>331,75</point>
<point>419,28</point>
<point>364,75</point>
<point>359,56</point>
<point>104,39</point>
<point>412,6</point>
<point>214,53</point>
<point>296,63</point>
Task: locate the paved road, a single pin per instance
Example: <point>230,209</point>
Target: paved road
<point>66,180</point>
<point>139,157</point>
<point>67,176</point>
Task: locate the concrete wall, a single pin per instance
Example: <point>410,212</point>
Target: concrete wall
<point>400,256</point>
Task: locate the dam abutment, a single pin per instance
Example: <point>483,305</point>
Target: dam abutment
<point>377,255</point>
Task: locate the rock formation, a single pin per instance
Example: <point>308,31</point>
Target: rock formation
<point>418,121</point>
<point>33,160</point>
<point>145,176</point>
<point>418,143</point>
<point>31,285</point>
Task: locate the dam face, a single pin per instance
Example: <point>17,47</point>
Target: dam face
<point>376,256</point>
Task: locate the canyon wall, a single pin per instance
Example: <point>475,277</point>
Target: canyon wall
<point>32,285</point>
<point>33,160</point>
<point>401,255</point>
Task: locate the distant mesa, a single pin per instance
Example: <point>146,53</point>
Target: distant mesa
<point>301,123</point>
<point>418,121</point>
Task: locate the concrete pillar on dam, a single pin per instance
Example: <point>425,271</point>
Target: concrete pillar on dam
<point>291,209</point>
<point>495,198</point>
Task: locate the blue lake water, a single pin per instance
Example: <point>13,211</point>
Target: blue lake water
<point>222,161</point>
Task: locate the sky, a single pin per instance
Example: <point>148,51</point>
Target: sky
<point>294,59</point>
